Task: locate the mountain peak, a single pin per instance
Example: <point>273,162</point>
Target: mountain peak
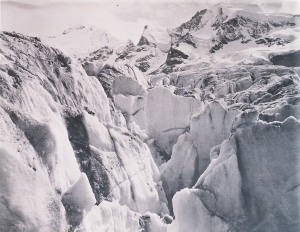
<point>81,40</point>
<point>194,22</point>
<point>157,37</point>
<point>77,27</point>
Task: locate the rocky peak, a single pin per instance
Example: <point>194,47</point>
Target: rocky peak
<point>129,47</point>
<point>219,18</point>
<point>143,40</point>
<point>78,27</point>
<point>194,24</point>
<point>156,37</point>
<point>20,36</point>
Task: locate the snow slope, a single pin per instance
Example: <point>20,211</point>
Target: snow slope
<point>79,41</point>
<point>159,37</point>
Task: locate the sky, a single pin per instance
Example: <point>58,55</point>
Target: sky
<point>123,19</point>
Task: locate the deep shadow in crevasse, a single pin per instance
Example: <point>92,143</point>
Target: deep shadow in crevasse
<point>90,163</point>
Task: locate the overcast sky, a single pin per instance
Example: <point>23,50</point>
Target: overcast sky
<point>122,18</point>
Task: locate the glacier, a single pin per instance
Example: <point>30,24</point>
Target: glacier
<point>59,134</point>
<point>194,128</point>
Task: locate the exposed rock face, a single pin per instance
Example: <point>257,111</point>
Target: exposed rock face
<point>270,41</point>
<point>219,27</point>
<point>129,47</point>
<point>175,57</point>
<point>215,28</point>
<point>93,64</point>
<point>157,37</point>
<point>289,60</point>
<point>230,24</point>
<point>194,24</point>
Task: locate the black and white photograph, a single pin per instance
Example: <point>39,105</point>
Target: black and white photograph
<point>150,116</point>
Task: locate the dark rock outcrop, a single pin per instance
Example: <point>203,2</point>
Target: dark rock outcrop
<point>288,60</point>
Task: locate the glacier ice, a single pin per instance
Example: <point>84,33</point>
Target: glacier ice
<point>191,154</point>
<point>133,109</point>
<point>57,122</point>
<point>193,215</point>
<point>78,200</point>
<point>168,120</point>
<point>111,217</point>
<point>126,85</point>
<point>29,201</point>
<point>251,185</point>
<point>199,121</point>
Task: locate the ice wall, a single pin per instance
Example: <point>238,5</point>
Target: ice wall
<point>133,108</point>
<point>191,154</point>
<point>251,184</point>
<point>170,118</point>
<point>57,122</point>
<point>126,170</point>
<point>114,75</point>
<point>129,95</point>
<point>28,199</point>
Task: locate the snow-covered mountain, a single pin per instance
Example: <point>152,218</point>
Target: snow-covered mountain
<point>217,36</point>
<point>194,128</point>
<point>80,41</point>
<point>227,30</point>
<point>157,37</point>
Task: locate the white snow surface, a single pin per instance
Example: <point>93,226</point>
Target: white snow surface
<point>159,37</point>
<point>79,41</point>
<point>111,217</point>
<point>192,215</point>
<point>80,195</point>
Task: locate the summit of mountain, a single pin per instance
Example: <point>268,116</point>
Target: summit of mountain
<point>79,41</point>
